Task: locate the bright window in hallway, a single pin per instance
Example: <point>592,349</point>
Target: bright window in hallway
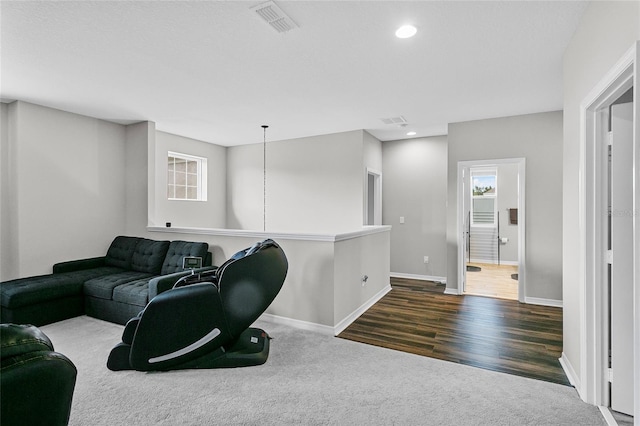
<point>484,192</point>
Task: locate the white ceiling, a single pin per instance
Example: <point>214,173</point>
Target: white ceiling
<point>214,71</point>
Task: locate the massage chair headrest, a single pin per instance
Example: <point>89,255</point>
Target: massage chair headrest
<point>260,245</point>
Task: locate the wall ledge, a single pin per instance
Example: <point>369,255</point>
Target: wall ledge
<point>367,230</point>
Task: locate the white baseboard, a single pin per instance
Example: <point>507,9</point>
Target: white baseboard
<point>346,322</point>
<point>570,372</point>
<point>543,302</point>
<point>303,325</point>
<point>493,262</point>
<point>326,329</point>
<point>452,291</point>
<point>419,277</point>
<point>608,417</point>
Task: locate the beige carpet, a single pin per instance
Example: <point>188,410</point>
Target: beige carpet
<point>309,379</point>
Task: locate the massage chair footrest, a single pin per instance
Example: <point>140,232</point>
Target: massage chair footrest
<point>251,348</point>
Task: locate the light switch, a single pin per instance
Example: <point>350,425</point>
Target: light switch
<point>401,219</point>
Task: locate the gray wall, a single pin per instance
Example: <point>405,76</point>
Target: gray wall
<point>415,186</point>
<point>7,256</point>
<point>354,258</point>
<point>197,214</point>
<point>372,160</point>
<point>538,138</point>
<point>508,198</point>
<point>314,184</point>
<point>64,190</point>
<point>607,30</point>
<point>139,137</point>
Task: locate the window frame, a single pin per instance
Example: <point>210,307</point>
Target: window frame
<point>484,172</point>
<point>201,177</point>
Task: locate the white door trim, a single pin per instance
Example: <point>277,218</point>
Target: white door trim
<point>463,170</point>
<point>377,197</point>
<point>593,387</point>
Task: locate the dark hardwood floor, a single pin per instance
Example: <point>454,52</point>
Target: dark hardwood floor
<point>496,334</point>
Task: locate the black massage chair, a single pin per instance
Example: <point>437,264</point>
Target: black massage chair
<point>36,383</point>
<point>204,320</point>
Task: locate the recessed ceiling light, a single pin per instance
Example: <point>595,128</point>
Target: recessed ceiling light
<point>411,133</point>
<point>406,31</point>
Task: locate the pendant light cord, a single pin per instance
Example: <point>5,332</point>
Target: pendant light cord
<point>264,177</point>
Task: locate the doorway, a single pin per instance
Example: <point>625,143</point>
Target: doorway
<point>620,253</point>
<point>492,228</point>
<point>373,198</point>
<point>610,241</point>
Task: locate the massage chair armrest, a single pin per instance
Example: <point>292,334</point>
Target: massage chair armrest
<point>78,265</point>
<point>20,339</point>
<point>37,388</point>
<point>163,283</point>
<point>197,326</point>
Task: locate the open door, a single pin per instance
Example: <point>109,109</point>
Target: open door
<point>620,258</point>
<point>609,332</point>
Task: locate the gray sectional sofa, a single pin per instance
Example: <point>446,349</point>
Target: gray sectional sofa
<point>114,287</point>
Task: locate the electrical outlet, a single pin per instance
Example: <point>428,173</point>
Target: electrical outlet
<point>426,259</point>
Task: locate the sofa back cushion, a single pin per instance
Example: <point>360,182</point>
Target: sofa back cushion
<point>121,251</point>
<point>178,250</point>
<point>149,255</point>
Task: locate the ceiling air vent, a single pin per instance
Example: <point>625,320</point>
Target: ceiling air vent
<point>274,16</point>
<point>399,120</point>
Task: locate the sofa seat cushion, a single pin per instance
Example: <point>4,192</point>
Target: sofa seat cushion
<point>102,287</point>
<point>32,290</point>
<point>133,293</point>
<point>148,256</point>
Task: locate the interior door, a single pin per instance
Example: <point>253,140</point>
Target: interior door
<point>621,243</point>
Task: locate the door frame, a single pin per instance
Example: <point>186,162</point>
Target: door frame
<point>377,196</point>
<point>592,385</point>
<point>464,168</point>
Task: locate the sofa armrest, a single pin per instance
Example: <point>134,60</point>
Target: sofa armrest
<point>163,283</point>
<point>77,265</point>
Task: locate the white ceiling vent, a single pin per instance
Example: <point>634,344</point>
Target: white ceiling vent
<point>399,120</point>
<point>274,16</point>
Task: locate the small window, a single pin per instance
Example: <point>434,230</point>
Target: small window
<point>186,177</point>
<point>483,202</point>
